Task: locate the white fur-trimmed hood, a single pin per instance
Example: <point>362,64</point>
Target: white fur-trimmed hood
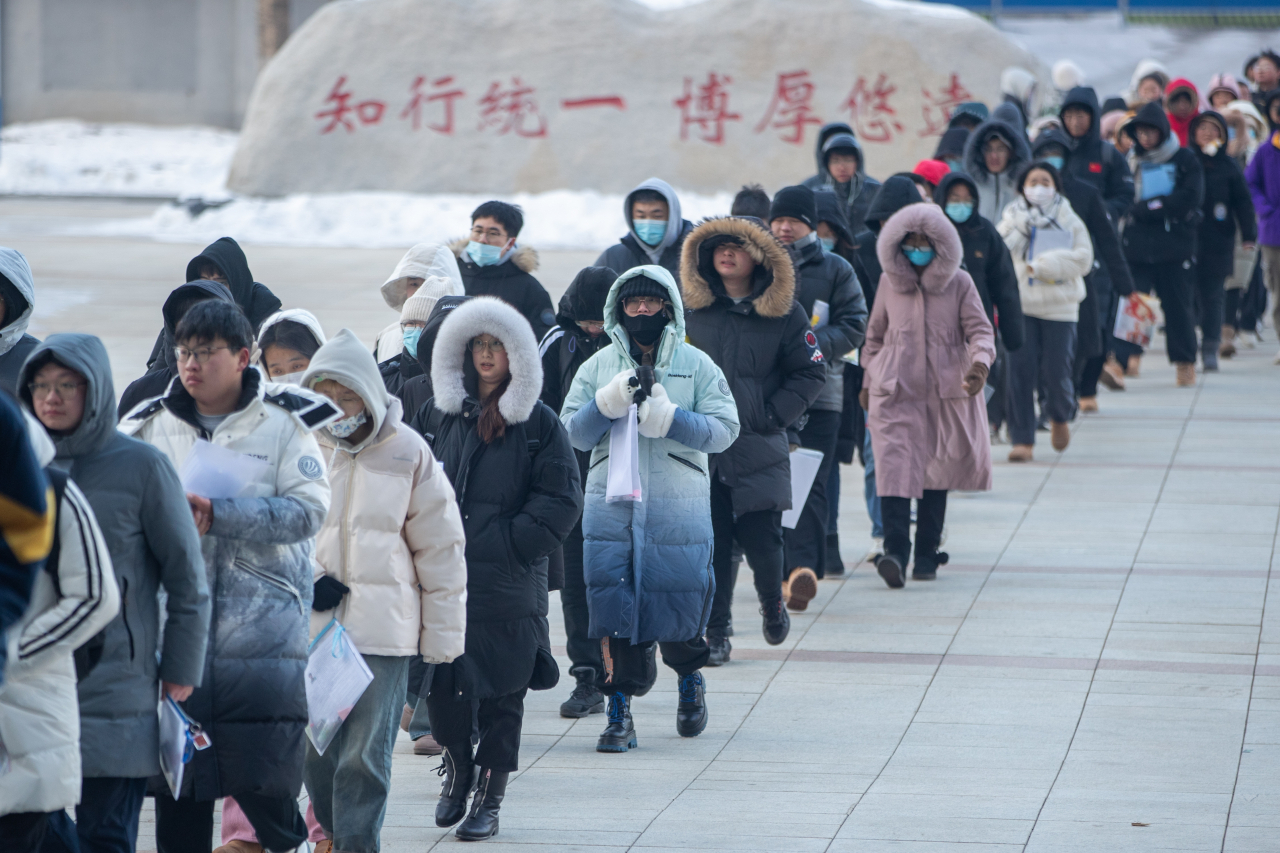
<point>487,315</point>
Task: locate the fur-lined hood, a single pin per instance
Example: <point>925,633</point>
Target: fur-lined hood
<point>930,220</point>
<point>525,258</point>
<point>700,284</point>
<point>487,315</point>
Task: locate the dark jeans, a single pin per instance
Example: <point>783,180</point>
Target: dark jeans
<point>759,534</point>
<point>500,719</point>
<point>1174,283</point>
<point>582,650</point>
<point>626,664</point>
<point>1046,358</point>
<point>931,513</point>
<point>22,832</point>
<point>186,825</point>
<point>1210,301</point>
<point>106,818</point>
<point>806,545</point>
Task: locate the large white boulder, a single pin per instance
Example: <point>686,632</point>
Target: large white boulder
<point>503,96</point>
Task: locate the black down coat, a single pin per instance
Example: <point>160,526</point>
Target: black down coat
<point>827,277</point>
<point>255,299</point>
<point>769,355</point>
<point>519,497</point>
<point>1227,205</point>
<point>512,281</point>
<point>1095,161</point>
<point>416,390</point>
<point>1163,228</point>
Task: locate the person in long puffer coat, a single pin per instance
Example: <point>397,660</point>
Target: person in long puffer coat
<point>928,351</point>
<point>516,481</point>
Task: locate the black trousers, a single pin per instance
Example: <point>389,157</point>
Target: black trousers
<point>1046,360</point>
<point>931,514</point>
<point>582,650</point>
<point>186,825</point>
<point>759,534</point>
<point>106,818</point>
<point>999,380</point>
<point>1210,302</point>
<point>500,719</point>
<point>1174,283</point>
<point>806,545</point>
<point>23,831</point>
<point>626,664</point>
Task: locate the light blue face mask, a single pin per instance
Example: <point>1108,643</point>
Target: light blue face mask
<point>918,257</point>
<point>650,231</point>
<point>411,336</point>
<point>1056,162</point>
<point>483,254</point>
<point>959,211</point>
<point>828,244</point>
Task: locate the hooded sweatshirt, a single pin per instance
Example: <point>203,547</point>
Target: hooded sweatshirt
<point>996,191</point>
<point>424,261</point>
<point>302,317</point>
<point>18,291</point>
<point>257,302</point>
<point>631,251</point>
<point>1227,206</point>
<point>1263,177</point>
<point>393,534</point>
<point>1161,227</point>
<point>1181,126</point>
<point>1095,161</point>
<point>856,195</point>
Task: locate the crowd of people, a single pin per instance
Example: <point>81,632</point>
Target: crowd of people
<point>420,495</point>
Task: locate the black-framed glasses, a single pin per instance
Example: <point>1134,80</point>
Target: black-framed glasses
<point>201,354</point>
<point>477,345</point>
<point>40,390</point>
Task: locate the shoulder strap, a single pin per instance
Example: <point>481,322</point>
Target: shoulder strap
<point>432,427</point>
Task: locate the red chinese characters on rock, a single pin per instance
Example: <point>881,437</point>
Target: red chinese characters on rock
<point>790,108</point>
<point>442,93</point>
<point>512,110</point>
<point>938,106</point>
<point>340,114</point>
<point>706,107</point>
<point>874,119</point>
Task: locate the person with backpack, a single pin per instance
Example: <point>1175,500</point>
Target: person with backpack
<point>142,510</point>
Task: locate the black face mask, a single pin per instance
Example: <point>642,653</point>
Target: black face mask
<point>645,329</point>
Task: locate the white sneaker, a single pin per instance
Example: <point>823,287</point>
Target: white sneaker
<point>1250,340</point>
<point>877,549</point>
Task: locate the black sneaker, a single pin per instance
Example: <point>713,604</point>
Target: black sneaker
<point>620,734</point>
<point>891,570</point>
<point>586,698</point>
<point>833,566</point>
<point>720,649</point>
<point>777,623</point>
<point>691,712</point>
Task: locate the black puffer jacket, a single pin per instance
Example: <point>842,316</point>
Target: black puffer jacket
<point>987,260</point>
<point>511,281</point>
<point>827,277</point>
<point>566,346</point>
<point>416,390</point>
<point>1227,205</point>
<point>1163,228</point>
<point>764,346</point>
<point>1095,161</point>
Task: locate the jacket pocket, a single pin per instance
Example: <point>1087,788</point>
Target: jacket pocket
<point>271,580</point>
<point>950,367</point>
<point>687,463</point>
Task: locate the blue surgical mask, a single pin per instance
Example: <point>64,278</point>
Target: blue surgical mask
<point>411,336</point>
<point>828,244</point>
<point>959,211</point>
<point>346,426</point>
<point>1231,133</point>
<point>483,254</point>
<point>1056,162</point>
<point>650,231</point>
<point>918,257</point>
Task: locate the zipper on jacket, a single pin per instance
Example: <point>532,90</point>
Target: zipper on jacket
<point>276,582</point>
<point>683,461</point>
<point>346,527</point>
<point>124,612</point>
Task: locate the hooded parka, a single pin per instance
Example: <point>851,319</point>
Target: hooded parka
<point>856,195</point>
<point>303,318</point>
<point>257,556</point>
<point>648,562</point>
<point>512,281</point>
<point>926,329</point>
<point>1058,287</point>
<point>767,350</point>
<point>896,193</point>
<point>1180,127</point>
<point>142,510</point>
<point>996,191</point>
<point>1228,207</point>
<point>417,390</point>
<point>18,291</point>
<point>1163,228</point>
<point>566,347</point>
<point>393,534</point>
<point>1095,161</point>
<point>424,261</point>
<point>631,251</point>
<point>519,496</point>
<point>254,298</point>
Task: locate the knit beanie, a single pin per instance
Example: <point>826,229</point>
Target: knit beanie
<point>796,202</point>
<point>932,171</point>
<point>417,308</point>
<point>642,285</point>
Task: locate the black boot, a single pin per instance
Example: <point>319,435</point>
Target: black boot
<point>833,567</point>
<point>459,774</point>
<point>620,734</point>
<point>720,648</point>
<point>482,823</point>
<point>777,624</point>
<point>586,698</point>
<point>691,712</point>
<point>891,570</point>
<point>926,567</point>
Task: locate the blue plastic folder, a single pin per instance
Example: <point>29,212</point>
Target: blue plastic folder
<point>1157,180</point>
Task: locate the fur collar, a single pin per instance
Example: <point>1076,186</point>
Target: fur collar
<point>763,248</point>
<point>933,223</point>
<point>525,258</point>
<point>478,315</point>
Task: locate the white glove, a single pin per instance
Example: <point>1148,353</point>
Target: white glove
<point>655,422</point>
<point>614,398</point>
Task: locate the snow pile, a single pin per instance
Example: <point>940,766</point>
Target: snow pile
<point>561,219</point>
<point>83,158</point>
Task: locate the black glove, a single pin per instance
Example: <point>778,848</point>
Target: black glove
<point>328,594</point>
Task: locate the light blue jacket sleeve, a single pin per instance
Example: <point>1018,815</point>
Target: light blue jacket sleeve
<point>586,426</point>
<point>699,432</point>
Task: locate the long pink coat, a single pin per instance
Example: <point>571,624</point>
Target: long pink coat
<point>924,333</point>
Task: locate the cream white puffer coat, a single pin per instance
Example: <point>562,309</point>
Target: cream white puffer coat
<point>1051,286</point>
<point>394,534</point>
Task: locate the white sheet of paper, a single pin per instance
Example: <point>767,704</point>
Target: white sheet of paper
<point>336,678</point>
<point>212,471</point>
<point>804,468</point>
<point>821,314</point>
<point>173,744</point>
<point>1047,240</point>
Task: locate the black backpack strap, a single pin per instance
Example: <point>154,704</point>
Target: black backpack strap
<point>432,427</point>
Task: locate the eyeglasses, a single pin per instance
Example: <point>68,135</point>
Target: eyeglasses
<point>591,325</point>
<point>478,233</point>
<point>40,390</point>
<point>201,355</point>
<point>477,345</point>
<point>653,303</point>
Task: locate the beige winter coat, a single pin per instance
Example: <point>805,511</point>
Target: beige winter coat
<point>1051,285</point>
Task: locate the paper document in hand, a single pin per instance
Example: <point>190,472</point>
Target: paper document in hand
<point>337,677</point>
<point>1158,180</point>
<point>804,468</point>
<point>212,471</point>
<point>624,459</point>
<point>177,741</point>
<point>821,314</point>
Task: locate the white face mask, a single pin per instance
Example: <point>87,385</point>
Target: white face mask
<point>1210,149</point>
<point>289,378</point>
<point>346,426</point>
<point>1041,197</point>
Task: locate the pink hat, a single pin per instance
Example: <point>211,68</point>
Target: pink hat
<point>1223,83</point>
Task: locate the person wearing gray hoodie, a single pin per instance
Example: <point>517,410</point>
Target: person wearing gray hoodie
<point>142,509</point>
<point>850,184</point>
<point>17,301</point>
<point>656,230</point>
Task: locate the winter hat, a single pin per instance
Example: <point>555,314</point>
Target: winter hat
<point>796,202</point>
<point>424,261</point>
<point>434,287</point>
<point>1110,123</point>
<point>1067,75</point>
<point>931,170</point>
<point>1223,83</point>
<point>1113,104</point>
<point>642,285</point>
<point>975,111</point>
<point>1018,82</point>
<point>417,308</point>
<point>952,143</point>
<point>831,212</point>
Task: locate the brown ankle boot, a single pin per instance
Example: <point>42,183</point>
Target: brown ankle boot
<point>1186,374</point>
<point>1228,346</point>
<point>1112,374</point>
<point>1021,453</point>
<point>1134,366</point>
<point>1088,404</point>
<point>1060,436</point>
